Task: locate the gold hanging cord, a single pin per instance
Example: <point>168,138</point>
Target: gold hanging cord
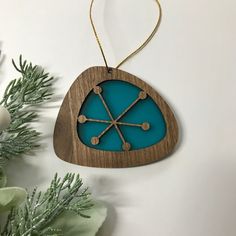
<point>134,52</point>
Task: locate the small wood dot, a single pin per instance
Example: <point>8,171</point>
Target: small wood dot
<point>126,146</point>
<point>97,89</point>
<point>145,126</point>
<point>142,95</point>
<point>82,119</point>
<point>95,140</point>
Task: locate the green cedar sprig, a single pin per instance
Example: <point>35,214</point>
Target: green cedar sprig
<point>40,209</point>
<point>32,88</point>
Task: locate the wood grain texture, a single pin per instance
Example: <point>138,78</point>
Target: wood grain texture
<point>67,144</point>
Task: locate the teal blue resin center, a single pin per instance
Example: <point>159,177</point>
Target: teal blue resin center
<point>145,123</point>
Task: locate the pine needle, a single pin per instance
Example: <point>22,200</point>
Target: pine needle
<point>32,88</point>
<point>40,209</point>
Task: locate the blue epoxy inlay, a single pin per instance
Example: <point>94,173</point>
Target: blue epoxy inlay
<point>119,95</point>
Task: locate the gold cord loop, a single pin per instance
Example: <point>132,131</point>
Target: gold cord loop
<point>134,52</point>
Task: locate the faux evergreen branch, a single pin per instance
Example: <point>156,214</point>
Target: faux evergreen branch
<point>33,87</point>
<point>40,209</point>
<point>64,207</point>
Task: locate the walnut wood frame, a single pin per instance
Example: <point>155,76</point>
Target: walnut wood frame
<point>67,144</point>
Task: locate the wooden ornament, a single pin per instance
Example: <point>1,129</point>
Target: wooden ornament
<point>78,143</point>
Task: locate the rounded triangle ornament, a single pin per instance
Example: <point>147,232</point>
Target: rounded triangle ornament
<point>110,118</point>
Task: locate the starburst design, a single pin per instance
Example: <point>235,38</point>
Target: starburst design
<point>126,146</point>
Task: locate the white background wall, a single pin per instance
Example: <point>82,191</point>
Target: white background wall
<point>191,62</point>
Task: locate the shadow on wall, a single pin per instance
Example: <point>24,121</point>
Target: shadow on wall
<point>107,190</point>
<point>110,222</point>
<point>18,172</point>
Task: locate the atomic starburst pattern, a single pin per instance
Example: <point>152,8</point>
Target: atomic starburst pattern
<point>114,122</point>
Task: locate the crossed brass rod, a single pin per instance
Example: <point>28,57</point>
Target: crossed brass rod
<point>110,122</point>
<point>112,119</point>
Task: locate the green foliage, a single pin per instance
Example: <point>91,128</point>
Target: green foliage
<point>72,224</point>
<point>11,197</point>
<point>65,208</point>
<point>40,209</point>
<point>33,87</point>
